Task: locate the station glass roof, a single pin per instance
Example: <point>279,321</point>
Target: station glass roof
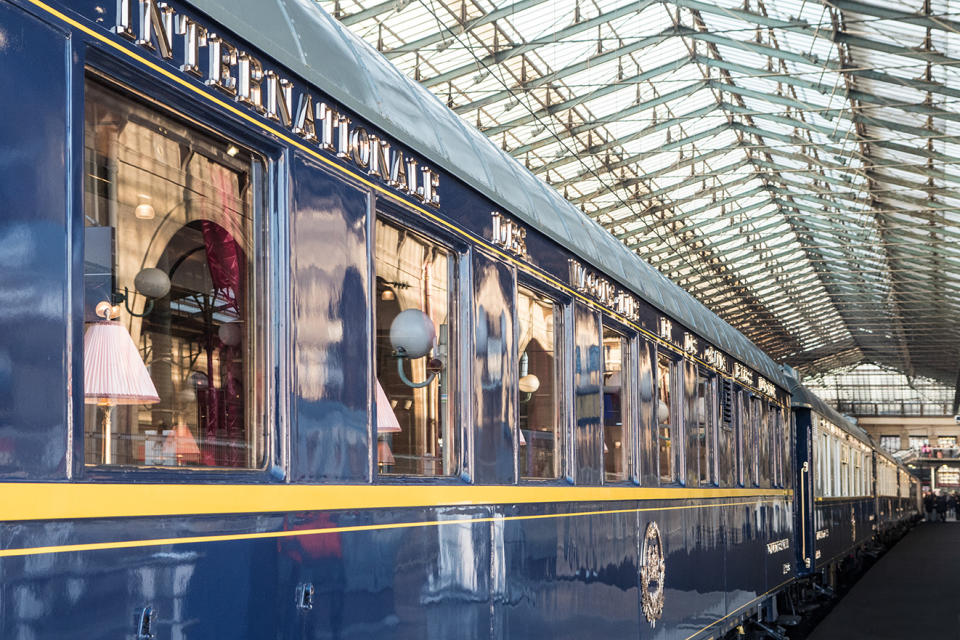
<point>791,163</point>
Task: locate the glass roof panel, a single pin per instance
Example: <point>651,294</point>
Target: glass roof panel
<point>792,164</point>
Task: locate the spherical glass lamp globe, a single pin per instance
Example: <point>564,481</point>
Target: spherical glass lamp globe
<point>412,334</point>
<point>529,383</point>
<point>153,283</point>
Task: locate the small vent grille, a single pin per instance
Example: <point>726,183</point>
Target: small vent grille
<point>726,403</point>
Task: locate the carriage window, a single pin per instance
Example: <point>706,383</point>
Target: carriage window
<point>540,434</point>
<point>765,455</point>
<point>414,292</point>
<point>616,415</point>
<point>752,440</point>
<point>667,420</point>
<point>706,429</point>
<point>819,464</point>
<point>173,374</point>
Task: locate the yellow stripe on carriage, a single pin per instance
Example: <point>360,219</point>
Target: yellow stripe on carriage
<point>287,533</point>
<point>58,501</point>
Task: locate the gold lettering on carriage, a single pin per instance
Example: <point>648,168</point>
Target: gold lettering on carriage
<point>507,234</point>
<point>766,387</point>
<point>604,291</point>
<point>715,359</point>
<point>777,546</point>
<point>156,26</point>
<point>690,344</point>
<point>665,329</point>
<point>742,373</point>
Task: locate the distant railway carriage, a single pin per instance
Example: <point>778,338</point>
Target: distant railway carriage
<point>848,489</point>
<point>287,350</point>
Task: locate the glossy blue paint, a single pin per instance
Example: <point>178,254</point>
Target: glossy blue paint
<point>329,265</point>
<point>495,371</point>
<point>803,479</point>
<point>587,396</point>
<point>646,384</point>
<point>34,248</point>
<point>559,577</point>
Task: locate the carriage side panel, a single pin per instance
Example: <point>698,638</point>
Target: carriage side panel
<point>494,371</point>
<point>588,396</point>
<point>330,309</point>
<point>35,250</point>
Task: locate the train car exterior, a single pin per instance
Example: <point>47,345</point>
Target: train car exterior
<point>849,491</point>
<point>898,494</point>
<point>290,352</point>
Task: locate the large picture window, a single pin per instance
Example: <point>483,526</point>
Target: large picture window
<point>667,418</point>
<point>172,369</point>
<point>540,433</point>
<point>415,278</point>
<point>706,426</point>
<point>616,406</point>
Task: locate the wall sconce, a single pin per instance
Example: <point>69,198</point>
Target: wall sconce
<point>150,283</point>
<point>412,335</point>
<point>528,382</point>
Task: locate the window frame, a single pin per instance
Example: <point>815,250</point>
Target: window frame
<point>270,211</point>
<point>677,431</point>
<point>712,420</point>
<point>406,217</point>
<point>630,374</point>
<point>562,379</point>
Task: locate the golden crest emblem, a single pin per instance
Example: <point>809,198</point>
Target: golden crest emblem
<point>652,570</point>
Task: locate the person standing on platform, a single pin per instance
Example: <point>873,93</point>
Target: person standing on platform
<point>928,505</point>
<point>956,506</point>
<point>942,506</point>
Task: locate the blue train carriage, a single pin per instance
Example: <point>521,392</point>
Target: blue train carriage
<point>849,491</point>
<point>289,351</point>
<point>836,508</point>
<point>898,495</point>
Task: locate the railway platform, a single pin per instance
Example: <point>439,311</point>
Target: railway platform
<point>910,593</point>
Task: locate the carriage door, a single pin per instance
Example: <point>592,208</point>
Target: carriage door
<point>803,427</point>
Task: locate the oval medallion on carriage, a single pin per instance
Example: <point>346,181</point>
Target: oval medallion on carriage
<point>652,570</point>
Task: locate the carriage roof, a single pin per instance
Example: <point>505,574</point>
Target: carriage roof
<point>308,41</point>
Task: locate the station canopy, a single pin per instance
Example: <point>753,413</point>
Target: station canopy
<point>791,163</point>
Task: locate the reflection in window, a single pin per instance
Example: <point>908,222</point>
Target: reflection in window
<point>539,450</point>
<point>890,443</point>
<point>169,225</point>
<point>666,420</point>
<point>616,415</point>
<point>706,430</point>
<point>762,416</point>
<point>776,444</point>
<point>413,424</point>
<point>752,439</point>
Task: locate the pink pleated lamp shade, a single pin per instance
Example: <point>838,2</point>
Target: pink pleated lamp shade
<point>184,445</point>
<point>384,453</point>
<point>113,371</point>
<point>386,418</point>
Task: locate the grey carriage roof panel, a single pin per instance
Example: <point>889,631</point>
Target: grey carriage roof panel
<point>312,44</point>
<point>803,397</point>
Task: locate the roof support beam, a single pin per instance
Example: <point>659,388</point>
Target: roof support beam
<point>503,55</point>
<point>600,121</point>
<point>592,95</point>
<point>583,65</point>
<point>630,160</point>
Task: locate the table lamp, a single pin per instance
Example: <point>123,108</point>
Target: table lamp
<point>113,371</point>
